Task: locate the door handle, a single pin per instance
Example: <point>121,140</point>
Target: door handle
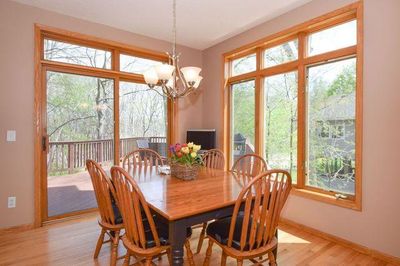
<point>45,143</point>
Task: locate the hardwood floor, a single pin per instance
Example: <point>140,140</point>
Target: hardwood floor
<point>73,242</point>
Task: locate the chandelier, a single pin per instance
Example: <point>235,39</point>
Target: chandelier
<point>174,82</point>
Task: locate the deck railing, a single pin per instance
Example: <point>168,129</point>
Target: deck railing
<point>69,156</point>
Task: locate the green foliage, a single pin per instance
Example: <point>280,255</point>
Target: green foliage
<point>244,109</point>
<point>345,82</point>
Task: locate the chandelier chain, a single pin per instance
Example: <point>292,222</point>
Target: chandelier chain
<point>174,26</point>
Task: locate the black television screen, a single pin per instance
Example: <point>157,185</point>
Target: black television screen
<point>204,137</point>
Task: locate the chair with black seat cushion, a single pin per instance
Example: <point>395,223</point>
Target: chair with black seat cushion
<point>214,159</point>
<point>144,237</point>
<point>110,219</point>
<point>249,165</point>
<point>142,158</point>
<point>251,231</point>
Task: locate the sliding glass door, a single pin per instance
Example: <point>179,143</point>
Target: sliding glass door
<point>93,105</point>
<point>80,126</point>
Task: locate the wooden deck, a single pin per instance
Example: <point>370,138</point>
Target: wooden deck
<point>73,243</point>
<point>69,193</point>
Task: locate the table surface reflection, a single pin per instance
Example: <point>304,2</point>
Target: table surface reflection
<point>176,199</point>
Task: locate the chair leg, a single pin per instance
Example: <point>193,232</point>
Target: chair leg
<point>169,255</point>
<point>114,248</point>
<point>99,243</point>
<point>127,259</point>
<point>271,259</point>
<point>208,253</point>
<point>148,262</point>
<point>201,238</point>
<point>239,262</point>
<point>223,259</point>
<point>189,252</point>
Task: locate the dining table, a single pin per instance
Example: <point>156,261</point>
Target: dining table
<point>182,204</point>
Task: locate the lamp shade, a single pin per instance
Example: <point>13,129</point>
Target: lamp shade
<point>191,74</point>
<point>197,83</point>
<point>164,71</point>
<point>150,76</point>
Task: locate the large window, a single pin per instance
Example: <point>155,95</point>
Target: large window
<point>280,122</point>
<point>331,126</point>
<point>295,99</point>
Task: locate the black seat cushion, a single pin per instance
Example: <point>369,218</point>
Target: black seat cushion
<point>219,230</point>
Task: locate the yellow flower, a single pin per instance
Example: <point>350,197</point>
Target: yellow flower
<point>193,154</point>
<point>196,148</point>
<point>185,150</point>
<point>190,144</point>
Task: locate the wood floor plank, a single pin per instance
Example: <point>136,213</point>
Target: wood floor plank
<point>73,242</point>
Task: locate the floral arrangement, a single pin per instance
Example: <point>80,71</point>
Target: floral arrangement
<point>186,154</point>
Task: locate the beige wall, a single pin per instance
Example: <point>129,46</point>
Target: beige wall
<point>17,94</point>
<point>377,226</point>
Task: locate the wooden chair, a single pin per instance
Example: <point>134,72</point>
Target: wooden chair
<point>252,233</point>
<point>214,159</point>
<point>249,166</point>
<point>110,220</point>
<point>141,158</point>
<point>143,238</point>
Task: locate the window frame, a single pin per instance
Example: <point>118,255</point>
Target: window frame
<point>301,32</point>
<point>42,66</point>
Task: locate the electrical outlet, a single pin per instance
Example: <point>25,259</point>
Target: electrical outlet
<point>12,202</point>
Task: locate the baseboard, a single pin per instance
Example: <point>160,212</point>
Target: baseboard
<point>18,228</point>
<point>362,249</point>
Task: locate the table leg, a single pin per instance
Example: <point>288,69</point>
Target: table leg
<point>177,237</point>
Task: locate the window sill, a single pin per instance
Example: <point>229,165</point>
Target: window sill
<point>318,196</point>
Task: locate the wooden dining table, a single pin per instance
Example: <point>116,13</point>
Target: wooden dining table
<point>182,204</point>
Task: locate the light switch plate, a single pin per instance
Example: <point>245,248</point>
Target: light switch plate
<point>12,202</point>
<point>11,135</point>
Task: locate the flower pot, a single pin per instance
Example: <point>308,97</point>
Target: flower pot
<point>184,172</point>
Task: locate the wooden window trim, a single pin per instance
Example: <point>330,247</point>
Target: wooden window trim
<point>42,32</point>
<point>301,32</point>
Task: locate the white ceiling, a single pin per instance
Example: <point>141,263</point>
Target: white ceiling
<point>200,23</point>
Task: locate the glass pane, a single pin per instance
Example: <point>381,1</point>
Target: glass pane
<point>80,125</point>
<point>280,128</point>
<point>135,64</point>
<point>281,54</point>
<point>331,126</point>
<point>242,119</point>
<point>244,65</point>
<point>76,54</point>
<point>341,36</point>
<point>143,118</point>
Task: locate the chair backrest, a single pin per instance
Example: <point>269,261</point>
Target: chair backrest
<point>214,159</point>
<point>104,191</point>
<point>249,165</point>
<point>141,158</point>
<point>263,199</point>
<point>133,208</point>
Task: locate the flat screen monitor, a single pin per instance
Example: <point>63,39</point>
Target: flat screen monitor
<point>204,137</point>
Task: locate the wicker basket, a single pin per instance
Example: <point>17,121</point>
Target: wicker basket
<point>184,172</point>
